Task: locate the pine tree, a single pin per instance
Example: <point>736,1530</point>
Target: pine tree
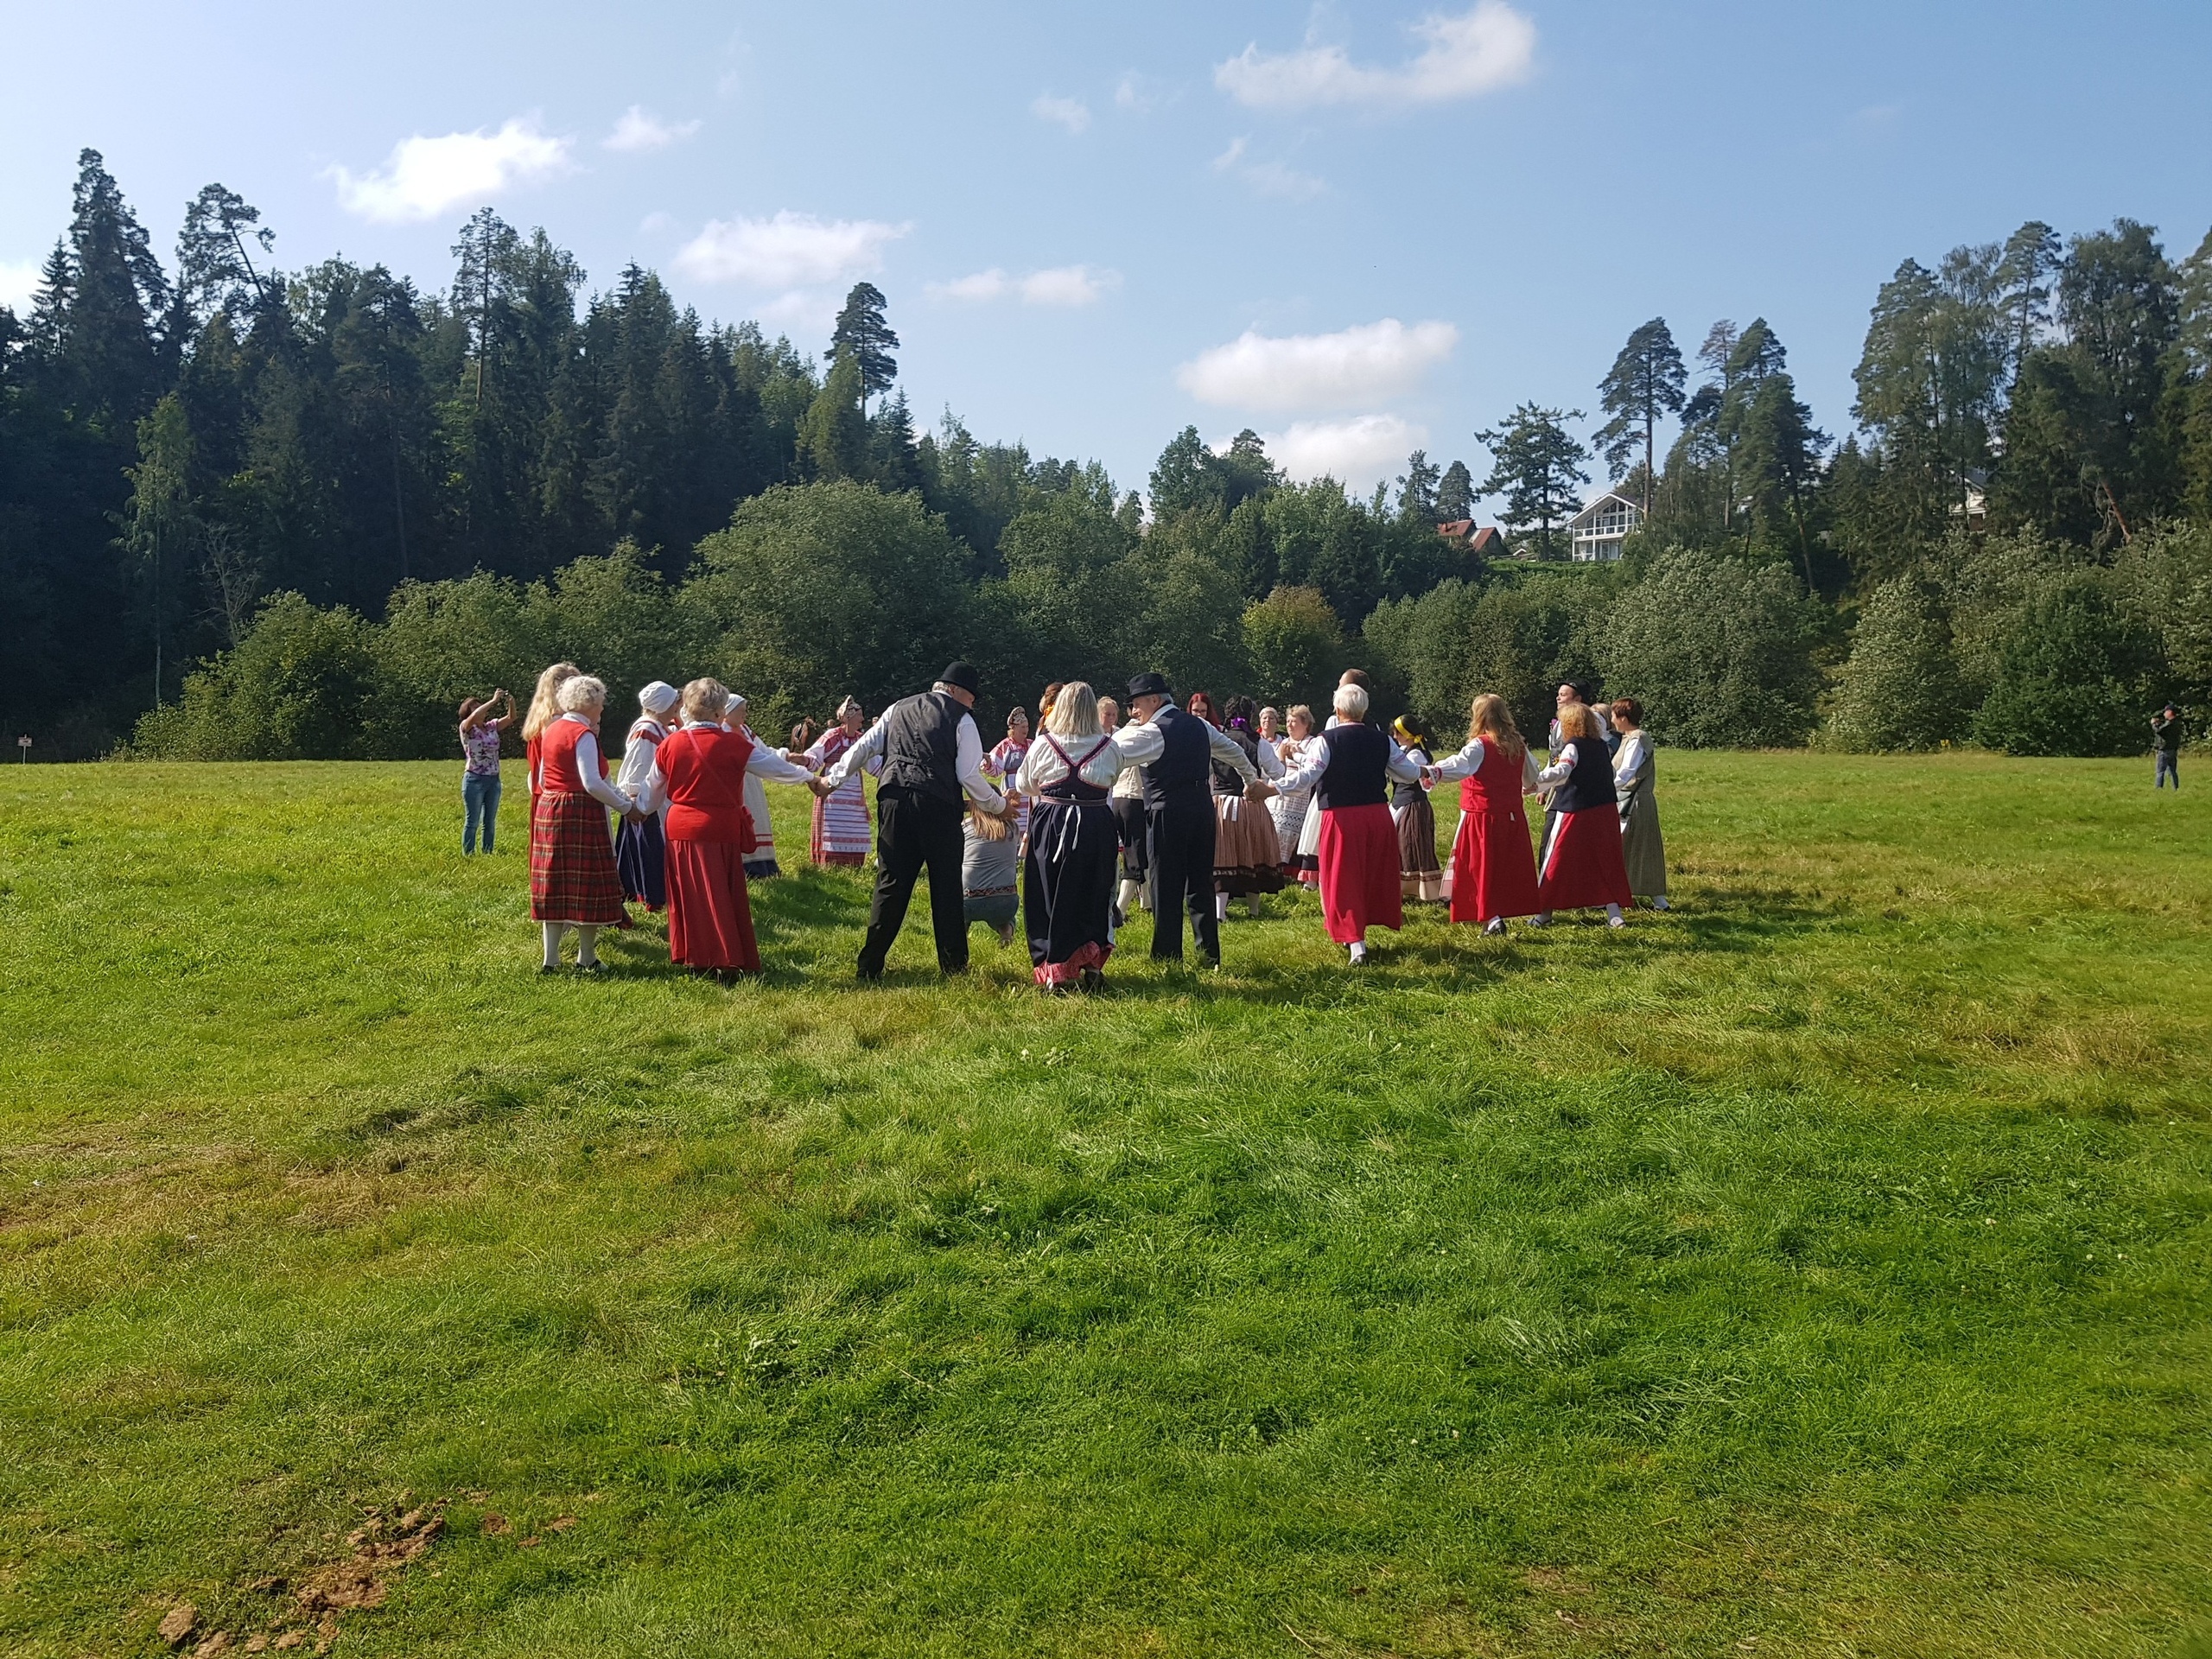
<point>1417,490</point>
<point>1644,384</point>
<point>214,263</point>
<point>1536,466</point>
<point>158,525</point>
<point>861,332</point>
<point>113,360</point>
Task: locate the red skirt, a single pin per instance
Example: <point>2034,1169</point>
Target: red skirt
<point>710,916</point>
<point>1360,871</point>
<point>1493,868</point>
<point>1583,867</point>
<point>572,874</point>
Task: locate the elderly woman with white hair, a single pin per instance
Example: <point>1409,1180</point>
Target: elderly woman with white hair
<point>1351,779</point>
<point>700,775</point>
<point>573,881</point>
<point>640,847</point>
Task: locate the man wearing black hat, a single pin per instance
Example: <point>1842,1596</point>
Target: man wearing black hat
<point>932,755</point>
<point>1178,750</point>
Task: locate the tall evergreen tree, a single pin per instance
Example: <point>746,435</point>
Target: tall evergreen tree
<point>214,256</point>
<point>1644,384</point>
<point>862,332</point>
<point>1455,493</point>
<point>1417,490</point>
<point>1536,465</point>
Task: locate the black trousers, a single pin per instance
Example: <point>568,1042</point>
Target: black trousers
<point>1179,834</point>
<point>914,832</point>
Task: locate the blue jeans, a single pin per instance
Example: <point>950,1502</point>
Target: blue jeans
<point>480,793</point>
<point>2169,766</point>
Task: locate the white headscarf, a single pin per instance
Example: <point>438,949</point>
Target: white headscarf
<point>659,698</point>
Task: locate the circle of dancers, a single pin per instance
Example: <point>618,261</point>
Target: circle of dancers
<point>1063,828</point>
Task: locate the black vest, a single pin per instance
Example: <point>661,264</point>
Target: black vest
<point>1358,773</point>
<point>921,747</point>
<point>1591,782</point>
<point>1185,758</point>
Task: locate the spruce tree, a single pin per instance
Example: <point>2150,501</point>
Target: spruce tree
<point>1455,493</point>
<point>1536,465</point>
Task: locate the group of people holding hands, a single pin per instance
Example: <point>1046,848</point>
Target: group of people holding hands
<point>1108,802</point>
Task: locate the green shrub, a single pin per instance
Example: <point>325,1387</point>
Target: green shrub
<point>302,685</point>
<point>1901,688</point>
<point>1718,649</point>
<point>2073,677</point>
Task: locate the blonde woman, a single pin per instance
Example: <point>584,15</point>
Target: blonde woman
<point>1493,871</point>
<point>1067,877</point>
<point>544,710</point>
<point>573,881</point>
<point>1582,868</point>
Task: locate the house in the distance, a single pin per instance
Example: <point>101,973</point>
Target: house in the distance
<point>1485,543</point>
<point>1598,530</point>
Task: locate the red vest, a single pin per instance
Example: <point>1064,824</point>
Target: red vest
<point>702,768</point>
<point>556,758</point>
<point>1496,788</point>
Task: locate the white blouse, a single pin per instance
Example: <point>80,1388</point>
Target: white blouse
<point>1307,775</point>
<point>1041,766</point>
<point>1635,751</point>
<point>764,762</point>
<point>587,752</point>
<point>1562,764</point>
<point>638,752</point>
<point>1469,762</point>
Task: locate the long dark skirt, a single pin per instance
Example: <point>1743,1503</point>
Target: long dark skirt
<point>641,857</point>
<point>1067,887</point>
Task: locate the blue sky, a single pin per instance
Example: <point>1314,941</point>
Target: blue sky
<point>1355,229</point>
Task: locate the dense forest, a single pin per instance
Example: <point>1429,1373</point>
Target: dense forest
<point>257,512</point>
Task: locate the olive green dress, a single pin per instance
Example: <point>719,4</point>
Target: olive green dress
<point>1642,845</point>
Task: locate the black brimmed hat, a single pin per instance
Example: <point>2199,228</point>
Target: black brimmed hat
<point>962,674</point>
<point>1149,685</point>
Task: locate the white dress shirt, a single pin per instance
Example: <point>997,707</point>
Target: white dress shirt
<point>1144,742</point>
<point>638,752</point>
<point>966,761</point>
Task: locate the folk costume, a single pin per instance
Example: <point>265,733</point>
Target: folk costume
<point>640,848</point>
<point>698,779</point>
<point>1297,824</point>
<point>1581,866</point>
<point>1128,797</point>
<point>1247,855</point>
<point>761,863</point>
<point>1357,842</point>
<point>1643,850</point>
<point>1177,751</point>
<point>573,881</point>
<point>1493,869</point>
<point>932,755</point>
<point>840,834</point>
<point>1005,760</point>
<point>1067,874</point>
<point>1420,877</point>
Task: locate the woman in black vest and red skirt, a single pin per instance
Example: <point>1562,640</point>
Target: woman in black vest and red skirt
<point>1350,781</point>
<point>1582,866</point>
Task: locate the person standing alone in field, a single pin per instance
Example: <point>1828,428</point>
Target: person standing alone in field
<point>932,755</point>
<point>481,724</point>
<point>2165,743</point>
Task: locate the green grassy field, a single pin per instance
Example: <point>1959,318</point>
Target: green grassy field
<point>1821,1267</point>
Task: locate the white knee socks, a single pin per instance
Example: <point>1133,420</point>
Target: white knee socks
<point>553,930</point>
<point>1221,906</point>
<point>587,943</point>
<point>587,947</point>
<point>1128,899</point>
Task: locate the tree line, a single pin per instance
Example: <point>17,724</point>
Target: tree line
<point>247,512</point>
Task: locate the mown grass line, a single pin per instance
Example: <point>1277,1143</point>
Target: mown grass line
<point>1821,1266</point>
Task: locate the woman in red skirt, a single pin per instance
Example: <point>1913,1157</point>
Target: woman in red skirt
<point>1350,779</point>
<point>1493,872</point>
<point>1582,866</point>
<point>700,773</point>
<point>573,882</point>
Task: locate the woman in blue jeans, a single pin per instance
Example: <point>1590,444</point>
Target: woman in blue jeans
<point>481,723</point>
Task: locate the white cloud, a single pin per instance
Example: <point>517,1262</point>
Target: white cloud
<point>637,130</point>
<point>1269,178</point>
<point>1359,453</point>
<point>19,281</point>
<point>1490,46</point>
<point>1061,285</point>
<point>1071,112</point>
<point>423,177</point>
<point>1356,365</point>
<point>1132,93</point>
<point>789,251</point>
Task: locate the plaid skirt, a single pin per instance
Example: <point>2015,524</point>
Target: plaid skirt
<point>572,874</point>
